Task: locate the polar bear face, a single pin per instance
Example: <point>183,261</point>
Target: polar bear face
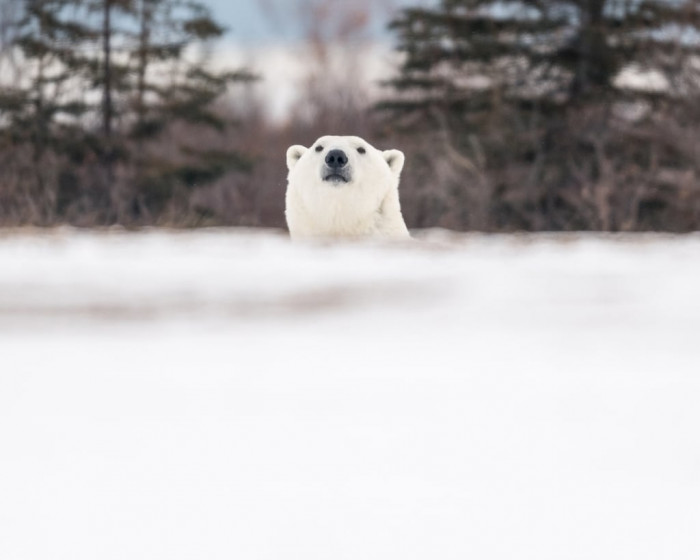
<point>339,161</point>
<point>343,186</point>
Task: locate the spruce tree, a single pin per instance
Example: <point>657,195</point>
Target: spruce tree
<point>105,84</point>
<point>547,107</point>
<point>42,112</point>
<point>170,82</point>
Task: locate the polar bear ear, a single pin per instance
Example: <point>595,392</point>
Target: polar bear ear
<point>395,159</point>
<point>294,153</point>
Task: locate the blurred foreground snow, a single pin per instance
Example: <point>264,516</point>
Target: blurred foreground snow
<point>229,395</point>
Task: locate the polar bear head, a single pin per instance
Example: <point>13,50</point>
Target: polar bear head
<point>344,187</point>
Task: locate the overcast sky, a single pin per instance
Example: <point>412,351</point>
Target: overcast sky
<point>282,68</point>
<point>250,25</point>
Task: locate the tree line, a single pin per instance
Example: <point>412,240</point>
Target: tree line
<point>86,124</point>
<point>556,115</point>
<point>526,115</point>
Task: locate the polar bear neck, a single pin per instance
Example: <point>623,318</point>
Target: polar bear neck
<point>340,211</point>
<point>326,211</point>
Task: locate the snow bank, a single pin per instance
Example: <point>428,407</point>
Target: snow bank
<point>232,395</point>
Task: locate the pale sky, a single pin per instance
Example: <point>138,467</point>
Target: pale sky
<point>249,24</point>
<point>270,46</point>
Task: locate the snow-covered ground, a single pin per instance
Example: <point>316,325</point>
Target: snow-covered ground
<point>229,395</point>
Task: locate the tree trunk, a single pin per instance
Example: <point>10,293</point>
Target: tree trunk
<point>146,14</point>
<point>107,110</point>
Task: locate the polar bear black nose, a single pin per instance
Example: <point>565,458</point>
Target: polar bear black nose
<point>336,159</point>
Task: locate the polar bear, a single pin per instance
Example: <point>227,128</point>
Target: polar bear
<point>344,187</point>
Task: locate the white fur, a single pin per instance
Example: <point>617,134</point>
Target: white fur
<point>366,206</point>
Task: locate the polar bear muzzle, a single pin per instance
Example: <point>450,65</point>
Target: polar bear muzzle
<point>336,167</point>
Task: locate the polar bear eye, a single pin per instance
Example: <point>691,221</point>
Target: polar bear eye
<point>361,150</point>
<point>319,148</point>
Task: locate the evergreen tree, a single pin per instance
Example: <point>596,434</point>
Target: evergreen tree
<point>547,106</point>
<point>169,82</point>
<point>43,110</point>
<point>107,82</point>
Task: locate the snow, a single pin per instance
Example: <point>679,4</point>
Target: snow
<point>228,394</point>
